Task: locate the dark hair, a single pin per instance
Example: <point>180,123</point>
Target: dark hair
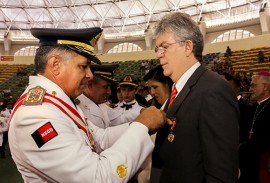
<point>157,74</point>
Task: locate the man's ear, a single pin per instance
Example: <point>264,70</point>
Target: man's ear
<point>188,47</point>
<point>54,64</point>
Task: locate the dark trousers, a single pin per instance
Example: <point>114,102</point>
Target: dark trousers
<point>5,140</point>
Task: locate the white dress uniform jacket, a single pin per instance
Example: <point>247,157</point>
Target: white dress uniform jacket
<point>93,112</point>
<point>65,155</point>
<point>102,115</point>
<point>3,128</point>
<point>132,112</point>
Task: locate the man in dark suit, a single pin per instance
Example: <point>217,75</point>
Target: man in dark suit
<point>201,145</point>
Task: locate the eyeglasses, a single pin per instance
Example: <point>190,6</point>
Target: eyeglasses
<point>253,85</point>
<point>163,47</point>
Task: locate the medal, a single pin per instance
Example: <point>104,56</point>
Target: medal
<point>171,135</point>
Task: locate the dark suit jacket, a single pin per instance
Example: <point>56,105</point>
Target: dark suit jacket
<point>206,135</point>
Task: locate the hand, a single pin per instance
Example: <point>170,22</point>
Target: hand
<point>152,118</point>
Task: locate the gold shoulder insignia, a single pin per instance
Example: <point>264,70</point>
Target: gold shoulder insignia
<point>34,96</point>
<point>121,171</point>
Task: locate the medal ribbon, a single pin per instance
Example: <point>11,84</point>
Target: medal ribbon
<point>173,95</point>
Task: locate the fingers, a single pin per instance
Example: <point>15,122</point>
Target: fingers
<point>169,121</point>
<point>166,119</point>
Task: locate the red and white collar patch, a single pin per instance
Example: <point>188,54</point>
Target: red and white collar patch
<point>44,134</point>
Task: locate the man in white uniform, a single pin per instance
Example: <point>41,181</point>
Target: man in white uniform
<point>97,92</point>
<point>49,138</point>
<point>4,120</point>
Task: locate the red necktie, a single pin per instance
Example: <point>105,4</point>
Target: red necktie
<point>173,94</point>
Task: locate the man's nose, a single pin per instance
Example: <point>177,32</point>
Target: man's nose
<point>89,73</point>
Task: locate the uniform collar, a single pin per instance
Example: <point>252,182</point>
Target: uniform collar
<point>263,100</point>
<point>50,88</point>
<point>129,103</point>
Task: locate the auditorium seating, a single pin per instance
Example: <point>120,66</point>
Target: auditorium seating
<point>12,81</point>
<point>209,57</point>
<point>247,60</point>
<point>132,68</point>
<point>242,61</point>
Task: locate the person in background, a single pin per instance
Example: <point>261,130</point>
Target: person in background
<point>246,110</point>
<point>95,95</point>
<point>49,137</point>
<point>160,88</point>
<point>128,88</point>
<point>160,85</point>
<point>261,57</point>
<point>5,114</point>
<point>3,129</point>
<point>255,152</point>
<point>228,52</point>
<point>201,145</point>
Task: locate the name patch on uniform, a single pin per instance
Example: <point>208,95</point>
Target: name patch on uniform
<point>44,134</point>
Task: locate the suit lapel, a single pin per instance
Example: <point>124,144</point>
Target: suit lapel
<point>185,91</point>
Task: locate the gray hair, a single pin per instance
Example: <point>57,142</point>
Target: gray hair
<point>183,28</point>
<point>44,52</point>
<point>264,79</point>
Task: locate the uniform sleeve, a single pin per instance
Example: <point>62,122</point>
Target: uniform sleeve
<point>119,116</point>
<point>67,157</point>
<point>105,138</point>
